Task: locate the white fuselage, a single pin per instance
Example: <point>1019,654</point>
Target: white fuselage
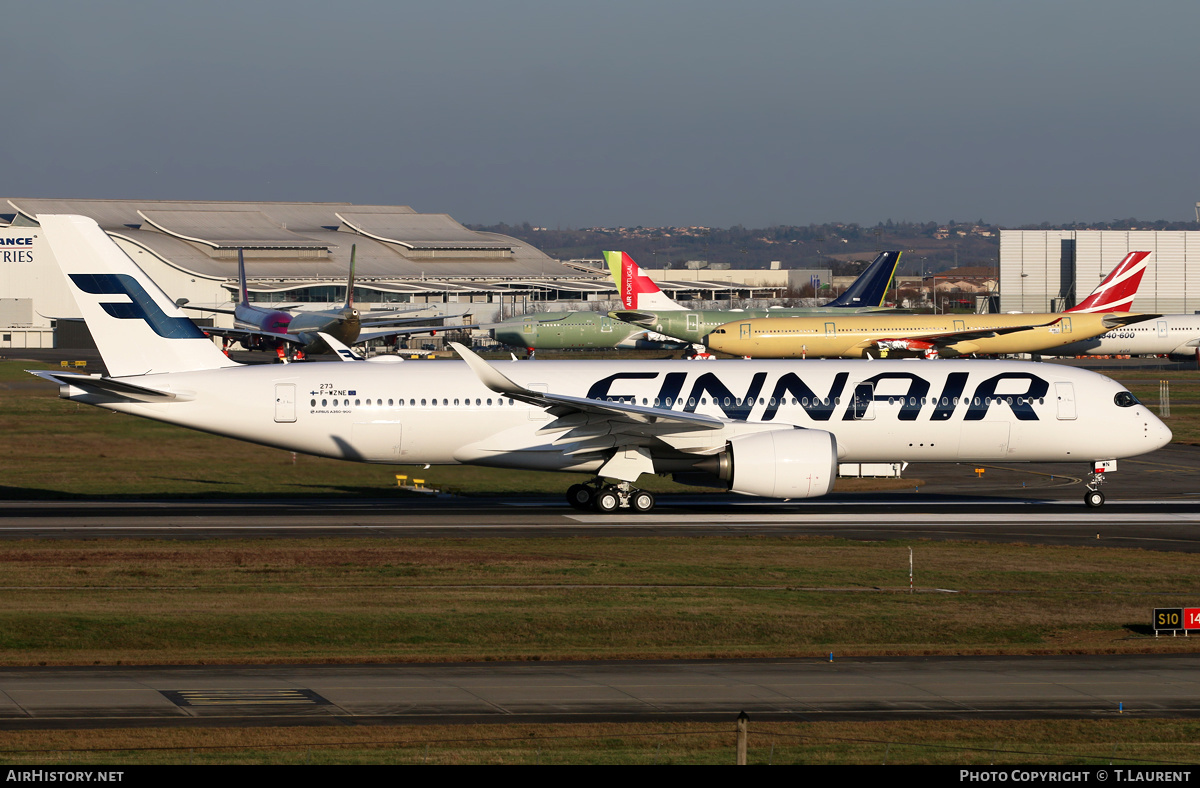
<point>1166,335</point>
<point>879,411</point>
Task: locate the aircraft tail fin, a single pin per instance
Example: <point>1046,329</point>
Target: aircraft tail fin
<point>243,291</point>
<point>635,289</point>
<point>1116,292</point>
<point>870,288</point>
<point>137,328</point>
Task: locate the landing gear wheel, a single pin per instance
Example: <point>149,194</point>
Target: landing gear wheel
<point>607,501</point>
<point>641,501</point>
<point>1093,498</point>
<point>580,496</point>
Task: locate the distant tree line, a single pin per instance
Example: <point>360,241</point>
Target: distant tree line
<point>845,248</point>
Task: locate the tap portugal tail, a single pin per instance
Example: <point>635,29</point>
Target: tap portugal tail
<point>636,290</point>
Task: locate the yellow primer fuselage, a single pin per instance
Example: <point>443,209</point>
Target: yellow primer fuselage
<point>854,336</point>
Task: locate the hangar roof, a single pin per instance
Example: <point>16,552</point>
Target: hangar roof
<point>310,241</point>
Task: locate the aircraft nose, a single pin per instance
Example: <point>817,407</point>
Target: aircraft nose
<point>1159,433</point>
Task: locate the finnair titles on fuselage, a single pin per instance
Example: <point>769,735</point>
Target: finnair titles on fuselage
<point>881,411</point>
<point>768,428</point>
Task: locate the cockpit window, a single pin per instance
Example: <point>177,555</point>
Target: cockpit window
<point>1125,400</point>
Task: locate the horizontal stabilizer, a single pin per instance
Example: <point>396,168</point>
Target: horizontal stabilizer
<point>637,318</point>
<point>108,386</point>
<point>1116,321</point>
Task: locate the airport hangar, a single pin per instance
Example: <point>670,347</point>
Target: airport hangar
<point>299,253</point>
<point>1050,270</point>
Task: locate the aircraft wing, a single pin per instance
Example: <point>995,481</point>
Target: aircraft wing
<point>953,337</point>
<point>388,313</point>
<point>947,338</point>
<point>219,310</point>
<point>583,418</point>
<point>242,333</point>
<point>367,336</point>
<point>402,321</point>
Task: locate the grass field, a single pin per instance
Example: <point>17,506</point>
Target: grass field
<point>334,600</point>
<point>1121,741</point>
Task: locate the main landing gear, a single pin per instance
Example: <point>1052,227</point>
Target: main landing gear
<point>1093,497</point>
<point>607,498</point>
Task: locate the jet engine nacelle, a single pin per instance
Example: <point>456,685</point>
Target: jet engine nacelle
<point>783,463</point>
<point>1189,354</point>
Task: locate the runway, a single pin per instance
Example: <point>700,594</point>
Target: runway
<point>1153,503</point>
<point>1098,687</point>
<point>1150,525</point>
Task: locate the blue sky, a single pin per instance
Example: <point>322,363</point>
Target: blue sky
<point>619,113</point>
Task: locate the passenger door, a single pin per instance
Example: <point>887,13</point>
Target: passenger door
<point>1066,400</point>
<point>285,402</point>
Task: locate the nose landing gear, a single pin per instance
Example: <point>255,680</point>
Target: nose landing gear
<point>1094,497</point>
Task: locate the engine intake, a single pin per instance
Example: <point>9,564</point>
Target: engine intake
<point>778,464</point>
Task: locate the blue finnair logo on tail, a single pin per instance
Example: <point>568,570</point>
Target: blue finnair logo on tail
<point>140,307</point>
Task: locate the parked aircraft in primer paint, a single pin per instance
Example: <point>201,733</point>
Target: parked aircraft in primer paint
<point>647,306</point>
<point>652,321</point>
<point>289,333</point>
<point>931,336</point>
<point>569,330</point>
<point>775,428</point>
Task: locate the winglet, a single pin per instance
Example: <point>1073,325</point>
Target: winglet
<point>350,281</point>
<point>343,352</point>
<point>243,292</point>
<point>487,374</point>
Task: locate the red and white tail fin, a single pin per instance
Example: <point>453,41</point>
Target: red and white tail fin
<point>1116,292</point>
<point>636,290</point>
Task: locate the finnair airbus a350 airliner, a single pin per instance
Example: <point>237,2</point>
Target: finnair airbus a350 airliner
<point>768,428</point>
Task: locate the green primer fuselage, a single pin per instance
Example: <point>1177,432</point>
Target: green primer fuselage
<point>566,330</point>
